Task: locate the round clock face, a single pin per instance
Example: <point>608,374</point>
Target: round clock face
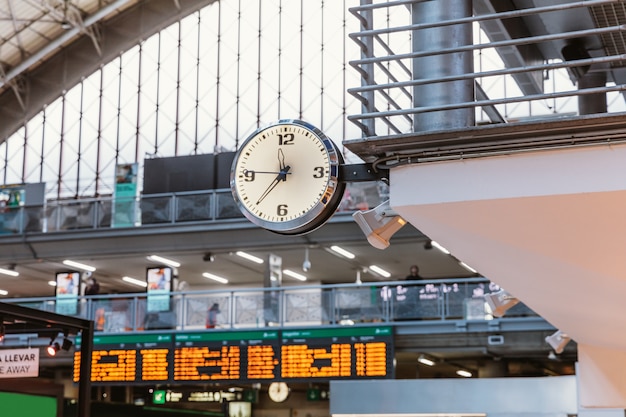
<point>278,391</point>
<point>285,177</point>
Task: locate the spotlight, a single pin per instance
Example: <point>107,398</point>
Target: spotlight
<point>558,340</point>
<point>379,224</point>
<point>53,348</point>
<point>67,344</point>
<point>499,302</point>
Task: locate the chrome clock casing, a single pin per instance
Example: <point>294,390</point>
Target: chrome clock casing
<point>275,172</point>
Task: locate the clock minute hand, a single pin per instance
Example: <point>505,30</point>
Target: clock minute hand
<point>282,176</point>
<point>263,172</point>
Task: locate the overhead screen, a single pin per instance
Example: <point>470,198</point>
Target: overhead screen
<point>241,356</point>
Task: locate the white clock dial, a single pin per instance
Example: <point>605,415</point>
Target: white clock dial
<point>285,177</point>
<point>278,391</point>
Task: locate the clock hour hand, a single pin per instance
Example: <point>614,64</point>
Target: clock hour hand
<point>281,159</point>
<point>282,176</point>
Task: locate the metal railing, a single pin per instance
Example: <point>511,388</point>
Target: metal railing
<point>153,209</point>
<point>326,305</point>
<point>513,71</point>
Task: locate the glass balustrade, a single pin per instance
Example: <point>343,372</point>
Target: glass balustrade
<point>325,305</point>
<point>155,209</point>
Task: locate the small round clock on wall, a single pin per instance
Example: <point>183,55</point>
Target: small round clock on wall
<point>278,391</point>
<point>285,177</point>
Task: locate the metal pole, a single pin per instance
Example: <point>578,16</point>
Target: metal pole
<point>367,77</point>
<point>441,65</point>
<point>592,103</point>
<point>84,385</point>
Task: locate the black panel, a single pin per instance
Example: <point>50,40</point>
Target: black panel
<point>187,173</point>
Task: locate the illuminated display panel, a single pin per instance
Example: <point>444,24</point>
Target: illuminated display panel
<point>141,358</point>
<point>222,356</point>
<point>351,353</point>
<point>242,356</point>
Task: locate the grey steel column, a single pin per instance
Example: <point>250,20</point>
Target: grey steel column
<point>434,39</point>
<point>592,103</point>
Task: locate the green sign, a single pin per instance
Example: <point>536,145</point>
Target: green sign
<point>158,396</point>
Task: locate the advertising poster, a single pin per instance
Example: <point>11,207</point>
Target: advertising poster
<point>125,195</point>
<point>159,281</point>
<point>11,199</point>
<point>67,289</point>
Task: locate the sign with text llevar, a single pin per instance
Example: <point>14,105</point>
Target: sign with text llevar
<point>19,363</point>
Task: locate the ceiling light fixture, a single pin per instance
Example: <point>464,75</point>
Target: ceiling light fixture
<point>558,340</point>
<point>441,248</point>
<point>379,224</point>
<point>53,347</point>
<point>4,292</point>
<point>135,281</point>
<point>499,302</point>
<point>469,268</point>
<point>79,265</point>
<point>65,23</point>
<point>425,361</point>
<point>249,257</point>
<point>341,251</point>
<point>295,275</point>
<point>160,259</point>
<point>214,277</point>
<point>464,373</point>
<point>9,272</point>
<point>379,271</point>
<point>438,246</point>
<point>52,283</point>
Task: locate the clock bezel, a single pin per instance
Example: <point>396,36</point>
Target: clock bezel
<point>325,206</point>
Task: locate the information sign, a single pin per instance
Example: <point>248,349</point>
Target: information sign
<point>241,356</point>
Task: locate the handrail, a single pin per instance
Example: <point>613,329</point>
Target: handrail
<point>511,68</point>
<point>147,210</point>
<point>311,305</point>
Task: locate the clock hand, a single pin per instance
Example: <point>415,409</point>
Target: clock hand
<point>245,171</point>
<point>282,176</point>
<point>281,159</point>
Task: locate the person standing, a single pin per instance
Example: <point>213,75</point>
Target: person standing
<point>211,320</point>
<point>92,287</point>
<point>414,273</point>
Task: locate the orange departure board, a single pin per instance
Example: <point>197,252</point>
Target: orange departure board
<point>241,356</point>
<point>129,359</point>
<point>343,353</point>
<point>224,356</point>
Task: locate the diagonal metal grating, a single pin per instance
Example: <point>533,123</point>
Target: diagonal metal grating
<point>611,15</point>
